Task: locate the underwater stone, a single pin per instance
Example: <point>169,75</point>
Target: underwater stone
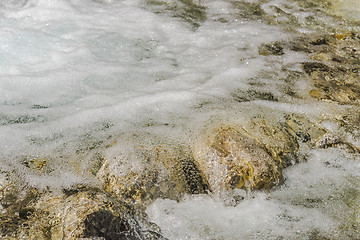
<point>336,84</point>
<point>309,132</point>
<point>250,95</point>
<point>350,122</point>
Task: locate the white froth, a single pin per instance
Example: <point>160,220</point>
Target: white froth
<point>315,201</point>
<point>350,9</point>
<point>74,63</point>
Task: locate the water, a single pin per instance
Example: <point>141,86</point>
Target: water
<point>347,8</point>
<point>309,206</point>
<point>72,68</point>
<point>76,74</point>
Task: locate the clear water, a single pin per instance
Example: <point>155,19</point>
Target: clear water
<point>75,74</point>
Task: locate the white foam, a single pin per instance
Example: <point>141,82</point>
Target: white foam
<point>315,201</point>
<point>74,63</point>
<point>349,9</point>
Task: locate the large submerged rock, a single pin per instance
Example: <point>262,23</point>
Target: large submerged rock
<point>247,154</point>
<point>188,10</point>
<point>141,172</point>
<point>252,154</point>
<point>249,157</point>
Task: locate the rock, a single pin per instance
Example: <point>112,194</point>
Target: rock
<point>141,173</point>
<point>304,130</point>
<point>248,157</point>
<point>37,164</point>
<point>10,190</point>
<point>276,138</point>
<point>75,213</point>
<point>250,95</point>
<point>13,217</point>
<point>333,83</point>
<point>334,69</point>
<point>313,135</point>
<point>274,48</point>
<point>9,194</point>
<point>249,10</point>
<point>350,122</point>
<point>189,11</point>
<point>252,154</point>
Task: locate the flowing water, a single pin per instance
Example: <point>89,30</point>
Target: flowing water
<point>77,73</point>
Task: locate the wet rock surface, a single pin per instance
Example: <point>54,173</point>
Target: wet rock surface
<point>190,11</point>
<point>9,190</point>
<point>75,213</point>
<point>157,171</point>
<point>271,49</point>
<point>251,156</point>
<point>333,65</point>
<point>335,71</point>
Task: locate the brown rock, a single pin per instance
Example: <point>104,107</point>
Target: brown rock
<point>274,48</point>
<point>250,157</point>
<point>76,213</point>
<point>335,69</point>
<point>144,172</point>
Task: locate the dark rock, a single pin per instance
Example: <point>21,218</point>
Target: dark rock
<point>310,67</point>
<point>249,10</point>
<point>304,137</point>
<point>188,10</point>
<point>274,48</point>
<point>250,95</point>
<point>319,41</point>
<point>104,224</point>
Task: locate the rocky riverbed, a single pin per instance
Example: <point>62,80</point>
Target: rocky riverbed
<point>257,120</point>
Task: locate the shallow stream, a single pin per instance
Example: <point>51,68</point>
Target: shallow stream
<point>79,75</point>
